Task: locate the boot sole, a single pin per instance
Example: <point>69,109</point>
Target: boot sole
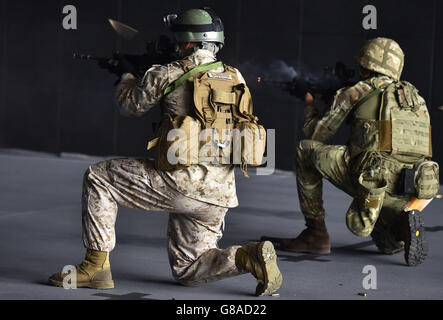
<point>416,245</point>
<point>273,277</point>
<point>99,285</point>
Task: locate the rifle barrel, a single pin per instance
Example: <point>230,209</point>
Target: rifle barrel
<point>85,57</point>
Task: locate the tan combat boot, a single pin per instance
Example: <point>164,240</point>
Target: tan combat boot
<point>260,259</point>
<point>315,239</point>
<point>94,272</point>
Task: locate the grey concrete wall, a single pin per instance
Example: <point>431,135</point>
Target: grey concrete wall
<point>51,103</point>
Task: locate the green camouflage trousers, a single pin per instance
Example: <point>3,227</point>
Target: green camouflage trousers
<point>315,161</point>
<point>194,227</point>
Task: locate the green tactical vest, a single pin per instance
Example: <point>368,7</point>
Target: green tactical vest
<point>393,119</point>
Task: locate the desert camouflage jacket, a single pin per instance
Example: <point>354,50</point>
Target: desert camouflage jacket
<point>208,183</point>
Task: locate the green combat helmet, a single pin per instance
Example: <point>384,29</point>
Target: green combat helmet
<point>196,25</point>
<point>383,56</point>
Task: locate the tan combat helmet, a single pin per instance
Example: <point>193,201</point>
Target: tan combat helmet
<point>382,55</point>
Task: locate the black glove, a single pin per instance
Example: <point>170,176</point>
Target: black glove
<point>300,88</point>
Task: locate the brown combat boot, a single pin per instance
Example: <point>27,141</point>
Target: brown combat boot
<point>315,239</point>
<point>260,259</point>
<point>94,272</point>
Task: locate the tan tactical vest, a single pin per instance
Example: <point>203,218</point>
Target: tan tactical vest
<point>220,130</point>
<point>393,119</point>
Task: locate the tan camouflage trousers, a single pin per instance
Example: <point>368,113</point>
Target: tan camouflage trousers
<point>315,161</point>
<point>194,227</point>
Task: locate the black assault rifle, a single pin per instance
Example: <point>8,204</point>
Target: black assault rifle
<point>325,85</point>
<point>160,51</point>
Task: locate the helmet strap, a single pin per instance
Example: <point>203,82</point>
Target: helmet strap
<point>212,47</point>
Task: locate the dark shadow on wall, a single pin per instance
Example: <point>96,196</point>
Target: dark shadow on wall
<point>49,102</point>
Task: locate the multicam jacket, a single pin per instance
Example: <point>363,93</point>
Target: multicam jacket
<point>214,184</point>
<point>323,128</point>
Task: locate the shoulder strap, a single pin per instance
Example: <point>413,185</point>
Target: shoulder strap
<point>373,93</point>
<point>186,64</point>
<point>367,97</point>
<point>201,68</point>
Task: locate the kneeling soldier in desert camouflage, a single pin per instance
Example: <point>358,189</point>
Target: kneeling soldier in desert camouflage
<point>198,194</point>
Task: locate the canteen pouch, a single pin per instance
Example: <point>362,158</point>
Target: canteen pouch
<point>178,143</point>
<point>427,182</point>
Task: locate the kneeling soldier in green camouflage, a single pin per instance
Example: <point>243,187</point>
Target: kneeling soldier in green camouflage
<point>196,91</point>
<point>390,140</point>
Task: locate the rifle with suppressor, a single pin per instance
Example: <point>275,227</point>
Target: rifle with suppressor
<point>160,51</point>
<point>325,85</point>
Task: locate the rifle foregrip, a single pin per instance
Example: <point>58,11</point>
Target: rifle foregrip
<point>77,56</point>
